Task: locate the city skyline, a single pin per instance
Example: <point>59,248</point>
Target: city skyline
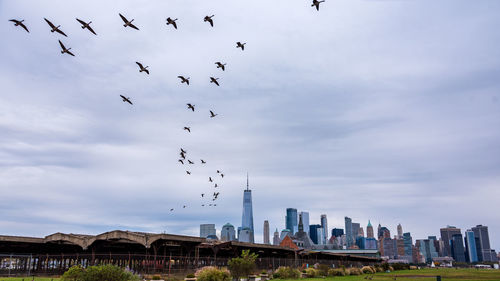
<point>376,110</point>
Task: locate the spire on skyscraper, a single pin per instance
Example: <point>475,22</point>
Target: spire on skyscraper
<point>247,182</point>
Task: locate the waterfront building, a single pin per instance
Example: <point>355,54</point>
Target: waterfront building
<point>228,233</point>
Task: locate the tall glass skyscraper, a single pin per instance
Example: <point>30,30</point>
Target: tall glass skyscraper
<point>324,225</point>
<point>247,217</point>
<point>291,220</point>
<point>305,220</point>
<point>470,246</point>
<point>348,231</point>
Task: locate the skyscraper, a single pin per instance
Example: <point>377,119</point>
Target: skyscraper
<point>313,232</point>
<point>446,234</point>
<point>266,232</point>
<point>276,238</point>
<point>291,220</point>
<point>247,217</point>
<point>337,232</point>
<point>324,225</point>
<point>481,233</point>
<point>400,231</point>
<point>305,220</point>
<point>227,233</point>
<point>408,244</point>
<point>348,231</point>
<point>369,230</point>
<point>355,230</point>
<point>457,247</point>
<point>207,230</point>
<point>470,246</point>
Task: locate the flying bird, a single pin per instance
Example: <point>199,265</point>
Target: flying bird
<point>218,171</point>
<point>222,175</point>
<point>20,23</point>
<point>190,106</point>
<point>212,114</point>
<point>127,22</point>
<point>184,206</point>
<point>209,19</point>
<point>86,25</point>
<point>210,179</point>
<point>172,22</point>
<point>55,28</point>
<point>316,3</point>
<point>214,80</point>
<point>183,151</point>
<point>171,210</point>
<point>183,79</point>
<point>142,68</point>
<point>203,194</point>
<point>188,172</point>
<point>203,161</point>
<point>180,160</point>
<point>183,156</point>
<point>187,129</point>
<point>64,50</point>
<point>240,45</point>
<point>221,65</point>
<point>215,185</point>
<point>190,162</point>
<point>125,99</point>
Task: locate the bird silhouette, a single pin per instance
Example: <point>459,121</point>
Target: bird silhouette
<point>64,50</point>
<point>183,156</point>
<point>142,68</point>
<point>183,151</point>
<point>183,79</point>
<point>86,25</point>
<point>210,179</point>
<point>203,205</point>
<point>190,106</point>
<point>55,28</point>
<point>209,19</point>
<point>222,175</point>
<point>20,23</point>
<point>203,161</point>
<point>180,160</point>
<point>187,129</point>
<point>212,114</point>
<point>125,99</point>
<point>171,210</point>
<point>316,4</point>
<point>128,23</point>
<point>221,65</point>
<point>203,194</point>
<point>214,80</point>
<point>190,162</point>
<point>215,185</point>
<point>240,45</point>
<point>172,22</point>
<point>184,206</point>
<point>218,171</point>
<point>188,172</point>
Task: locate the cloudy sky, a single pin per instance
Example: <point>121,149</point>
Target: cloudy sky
<point>387,110</point>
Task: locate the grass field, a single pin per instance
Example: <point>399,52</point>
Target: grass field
<point>404,275</point>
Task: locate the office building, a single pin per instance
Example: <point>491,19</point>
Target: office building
<point>446,234</point>
<point>408,244</point>
<point>247,217</point>
<point>266,232</point>
<point>369,230</point>
<point>355,230</point>
<point>313,232</point>
<point>228,233</point>
<point>207,230</point>
<point>370,243</point>
<point>384,232</point>
<point>400,231</point>
<point>291,220</point>
<point>337,232</point>
<point>348,231</point>
<point>481,233</point>
<point>457,247</point>
<point>276,238</point>
<point>324,225</point>
<point>470,247</point>
<point>305,221</point>
<point>245,234</point>
<point>427,249</point>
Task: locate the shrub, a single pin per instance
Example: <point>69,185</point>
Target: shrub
<point>367,270</point>
<point>211,273</point>
<point>74,273</point>
<point>412,267</point>
<point>385,266</point>
<point>311,272</point>
<point>379,269</point>
<point>156,277</point>
<point>322,269</point>
<point>190,275</point>
<point>391,268</point>
<point>336,272</point>
<point>400,266</point>
<point>354,271</point>
<point>244,265</point>
<point>285,272</point>
<point>108,273</point>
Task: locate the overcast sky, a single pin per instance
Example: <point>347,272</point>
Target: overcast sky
<point>374,109</point>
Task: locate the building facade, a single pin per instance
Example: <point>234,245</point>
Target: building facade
<point>305,221</point>
<point>369,230</point>
<point>470,246</point>
<point>228,233</point>
<point>291,220</point>
<point>324,225</point>
<point>247,216</point>
<point>446,234</point>
<point>207,230</point>
<point>348,231</point>
<point>266,233</point>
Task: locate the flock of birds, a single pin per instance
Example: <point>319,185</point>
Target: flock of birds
<point>184,80</point>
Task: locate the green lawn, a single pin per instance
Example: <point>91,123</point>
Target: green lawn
<point>424,275</point>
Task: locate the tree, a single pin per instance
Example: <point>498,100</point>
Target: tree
<point>242,266</point>
<point>99,273</point>
<point>74,273</point>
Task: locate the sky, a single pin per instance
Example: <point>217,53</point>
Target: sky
<point>381,110</point>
